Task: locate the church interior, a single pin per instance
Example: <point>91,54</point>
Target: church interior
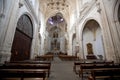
<point>60,39</point>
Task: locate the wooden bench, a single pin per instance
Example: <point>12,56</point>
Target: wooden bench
<point>44,58</point>
<point>105,73</point>
<point>68,57</point>
<point>29,62</point>
<point>22,73</point>
<point>77,64</point>
<point>87,67</point>
<point>45,67</point>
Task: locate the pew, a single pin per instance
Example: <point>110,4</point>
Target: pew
<point>77,64</point>
<point>105,73</point>
<point>87,67</point>
<point>22,73</point>
<point>68,57</point>
<point>44,58</point>
<point>45,67</point>
<point>29,62</point>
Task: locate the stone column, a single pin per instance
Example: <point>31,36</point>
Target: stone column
<point>8,29</point>
<point>109,48</point>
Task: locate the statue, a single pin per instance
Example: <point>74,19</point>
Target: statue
<point>89,48</point>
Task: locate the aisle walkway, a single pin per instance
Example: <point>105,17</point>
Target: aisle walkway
<point>62,70</point>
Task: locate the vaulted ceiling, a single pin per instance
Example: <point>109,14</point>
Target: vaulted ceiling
<point>50,7</point>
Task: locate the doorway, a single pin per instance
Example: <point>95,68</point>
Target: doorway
<point>21,46</point>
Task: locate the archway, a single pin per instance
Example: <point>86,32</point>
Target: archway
<point>92,35</point>
<point>22,40</point>
<point>56,28</point>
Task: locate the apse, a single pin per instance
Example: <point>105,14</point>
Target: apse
<point>56,28</point>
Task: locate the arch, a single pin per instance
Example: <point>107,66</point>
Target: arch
<point>56,21</point>
<point>29,15</point>
<point>21,46</point>
<point>31,18</point>
<point>116,9</point>
<point>53,14</point>
<point>116,15</point>
<point>91,33</point>
<point>83,25</point>
<point>21,25</point>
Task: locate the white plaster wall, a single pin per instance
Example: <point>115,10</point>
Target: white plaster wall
<point>111,8</point>
<point>73,46</point>
<point>91,14</point>
<point>7,23</point>
<point>96,41</point>
<point>99,47</point>
<point>88,38</point>
<point>62,44</point>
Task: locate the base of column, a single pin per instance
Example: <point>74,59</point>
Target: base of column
<point>4,57</point>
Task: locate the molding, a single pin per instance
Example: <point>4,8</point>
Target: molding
<point>30,7</point>
<point>92,5</point>
<point>86,12</point>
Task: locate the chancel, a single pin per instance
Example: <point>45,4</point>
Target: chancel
<point>59,39</point>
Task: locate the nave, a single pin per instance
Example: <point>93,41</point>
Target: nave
<point>81,30</point>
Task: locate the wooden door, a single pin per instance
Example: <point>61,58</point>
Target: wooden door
<point>22,40</point>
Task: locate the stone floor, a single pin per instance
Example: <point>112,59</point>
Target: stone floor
<point>62,70</point>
